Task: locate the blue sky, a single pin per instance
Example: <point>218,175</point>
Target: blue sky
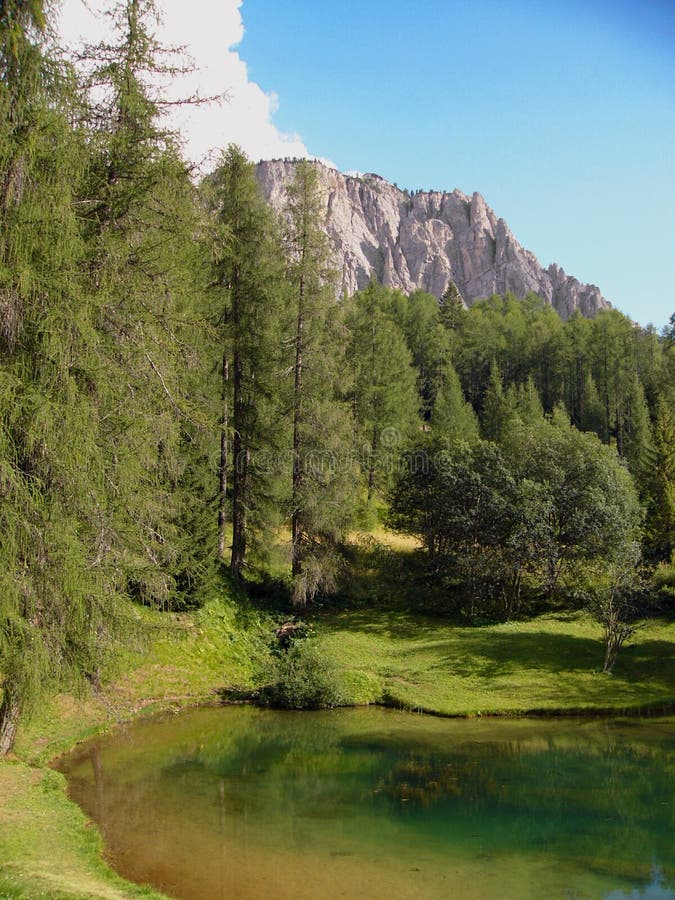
<point>560,113</point>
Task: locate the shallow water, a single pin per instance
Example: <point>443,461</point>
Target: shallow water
<point>372,803</point>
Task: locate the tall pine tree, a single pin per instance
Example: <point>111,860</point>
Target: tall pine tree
<point>249,280</point>
<point>145,265</point>
<point>322,477</point>
<point>385,399</point>
<point>57,594</point>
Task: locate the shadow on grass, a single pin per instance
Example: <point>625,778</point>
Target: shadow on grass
<point>497,653</point>
<point>490,654</point>
<point>393,624</point>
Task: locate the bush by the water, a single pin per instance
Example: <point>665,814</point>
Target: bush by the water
<point>305,678</point>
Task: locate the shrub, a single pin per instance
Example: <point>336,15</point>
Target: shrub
<point>305,678</point>
<point>664,587</point>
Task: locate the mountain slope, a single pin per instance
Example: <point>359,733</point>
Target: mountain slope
<point>427,240</point>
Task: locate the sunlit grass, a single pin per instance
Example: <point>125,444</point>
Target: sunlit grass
<point>551,663</point>
<point>399,543</point>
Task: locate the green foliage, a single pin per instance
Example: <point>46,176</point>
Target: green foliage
<point>452,309</point>
<point>663,583</point>
<point>498,408</point>
<point>144,263</point>
<point>305,677</point>
<point>520,337</point>
<point>618,604</point>
<point>57,599</point>
<point>659,484</point>
<point>100,383</point>
<point>452,417</point>
<point>493,517</point>
<point>123,455</point>
<point>322,494</point>
<point>451,498</point>
<point>590,508</point>
<point>250,294</point>
<point>384,396</point>
<point>430,343</point>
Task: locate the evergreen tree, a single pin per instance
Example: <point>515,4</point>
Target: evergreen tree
<point>659,481</point>
<point>430,343</point>
<point>527,403</point>
<point>57,594</point>
<point>498,408</point>
<point>249,277</point>
<point>384,398</point>
<point>580,393</point>
<point>453,310</point>
<point>637,429</point>
<point>478,350</point>
<point>452,416</point>
<point>614,343</point>
<point>322,483</point>
<point>145,264</point>
<point>590,413</point>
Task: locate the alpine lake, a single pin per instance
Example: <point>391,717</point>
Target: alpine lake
<point>241,802</point>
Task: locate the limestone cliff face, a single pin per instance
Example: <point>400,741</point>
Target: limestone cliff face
<point>426,241</point>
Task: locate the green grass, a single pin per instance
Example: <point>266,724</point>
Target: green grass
<point>48,849</point>
<point>551,663</point>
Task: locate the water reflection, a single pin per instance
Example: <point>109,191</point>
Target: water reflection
<point>249,803</point>
<point>657,889</point>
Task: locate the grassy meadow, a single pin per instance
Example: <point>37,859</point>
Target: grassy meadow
<point>548,664</point>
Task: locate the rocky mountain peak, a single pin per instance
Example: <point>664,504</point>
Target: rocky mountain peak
<point>426,239</point>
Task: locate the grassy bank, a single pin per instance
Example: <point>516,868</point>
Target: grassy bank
<point>47,849</point>
<point>548,664</point>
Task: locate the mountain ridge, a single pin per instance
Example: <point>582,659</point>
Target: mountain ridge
<point>427,239</point>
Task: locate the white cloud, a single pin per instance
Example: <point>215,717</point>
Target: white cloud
<point>210,30</point>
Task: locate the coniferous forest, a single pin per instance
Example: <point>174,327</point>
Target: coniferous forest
<point>185,402</point>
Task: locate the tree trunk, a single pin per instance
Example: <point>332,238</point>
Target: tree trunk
<point>296,524</point>
<point>10,712</point>
<point>618,413</point>
<point>608,421</point>
<point>611,652</point>
<point>240,472</point>
<point>222,469</point>
<point>372,462</point>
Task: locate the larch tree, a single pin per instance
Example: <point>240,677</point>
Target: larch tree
<point>57,601</point>
<point>322,471</point>
<point>452,416</point>
<point>430,343</point>
<point>384,399</point>
<point>659,483</point>
<point>249,281</point>
<point>498,408</point>
<point>145,262</point>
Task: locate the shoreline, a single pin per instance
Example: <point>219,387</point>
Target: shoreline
<point>49,848</point>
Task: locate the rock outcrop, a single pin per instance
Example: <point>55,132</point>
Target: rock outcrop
<point>425,240</point>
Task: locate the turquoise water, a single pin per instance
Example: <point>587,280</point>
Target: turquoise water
<point>248,803</point>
